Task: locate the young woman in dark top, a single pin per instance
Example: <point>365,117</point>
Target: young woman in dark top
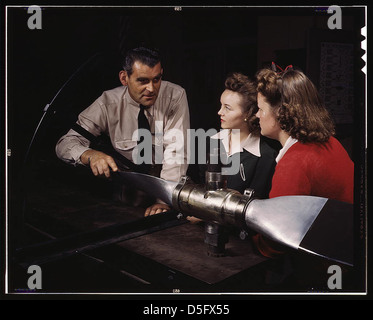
<point>240,138</point>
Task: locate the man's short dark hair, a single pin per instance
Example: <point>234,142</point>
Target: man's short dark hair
<point>149,57</point>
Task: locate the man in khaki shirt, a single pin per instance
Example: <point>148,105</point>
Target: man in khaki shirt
<point>116,111</point>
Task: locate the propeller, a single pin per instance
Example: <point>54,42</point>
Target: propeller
<point>320,226</point>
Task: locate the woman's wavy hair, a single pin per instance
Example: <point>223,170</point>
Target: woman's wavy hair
<point>297,103</point>
<point>238,82</point>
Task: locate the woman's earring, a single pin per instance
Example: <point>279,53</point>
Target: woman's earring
<point>245,119</point>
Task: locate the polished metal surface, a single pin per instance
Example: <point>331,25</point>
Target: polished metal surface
<point>157,187</point>
<point>225,206</point>
<point>214,180</point>
<point>284,219</point>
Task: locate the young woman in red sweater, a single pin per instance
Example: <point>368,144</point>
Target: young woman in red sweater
<point>311,162</point>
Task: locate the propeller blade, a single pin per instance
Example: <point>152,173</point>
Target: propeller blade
<point>157,187</point>
<point>332,233</point>
<point>317,225</point>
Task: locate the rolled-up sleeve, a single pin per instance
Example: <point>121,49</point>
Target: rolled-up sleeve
<point>72,145</point>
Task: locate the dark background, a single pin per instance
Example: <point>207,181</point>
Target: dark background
<point>200,47</point>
